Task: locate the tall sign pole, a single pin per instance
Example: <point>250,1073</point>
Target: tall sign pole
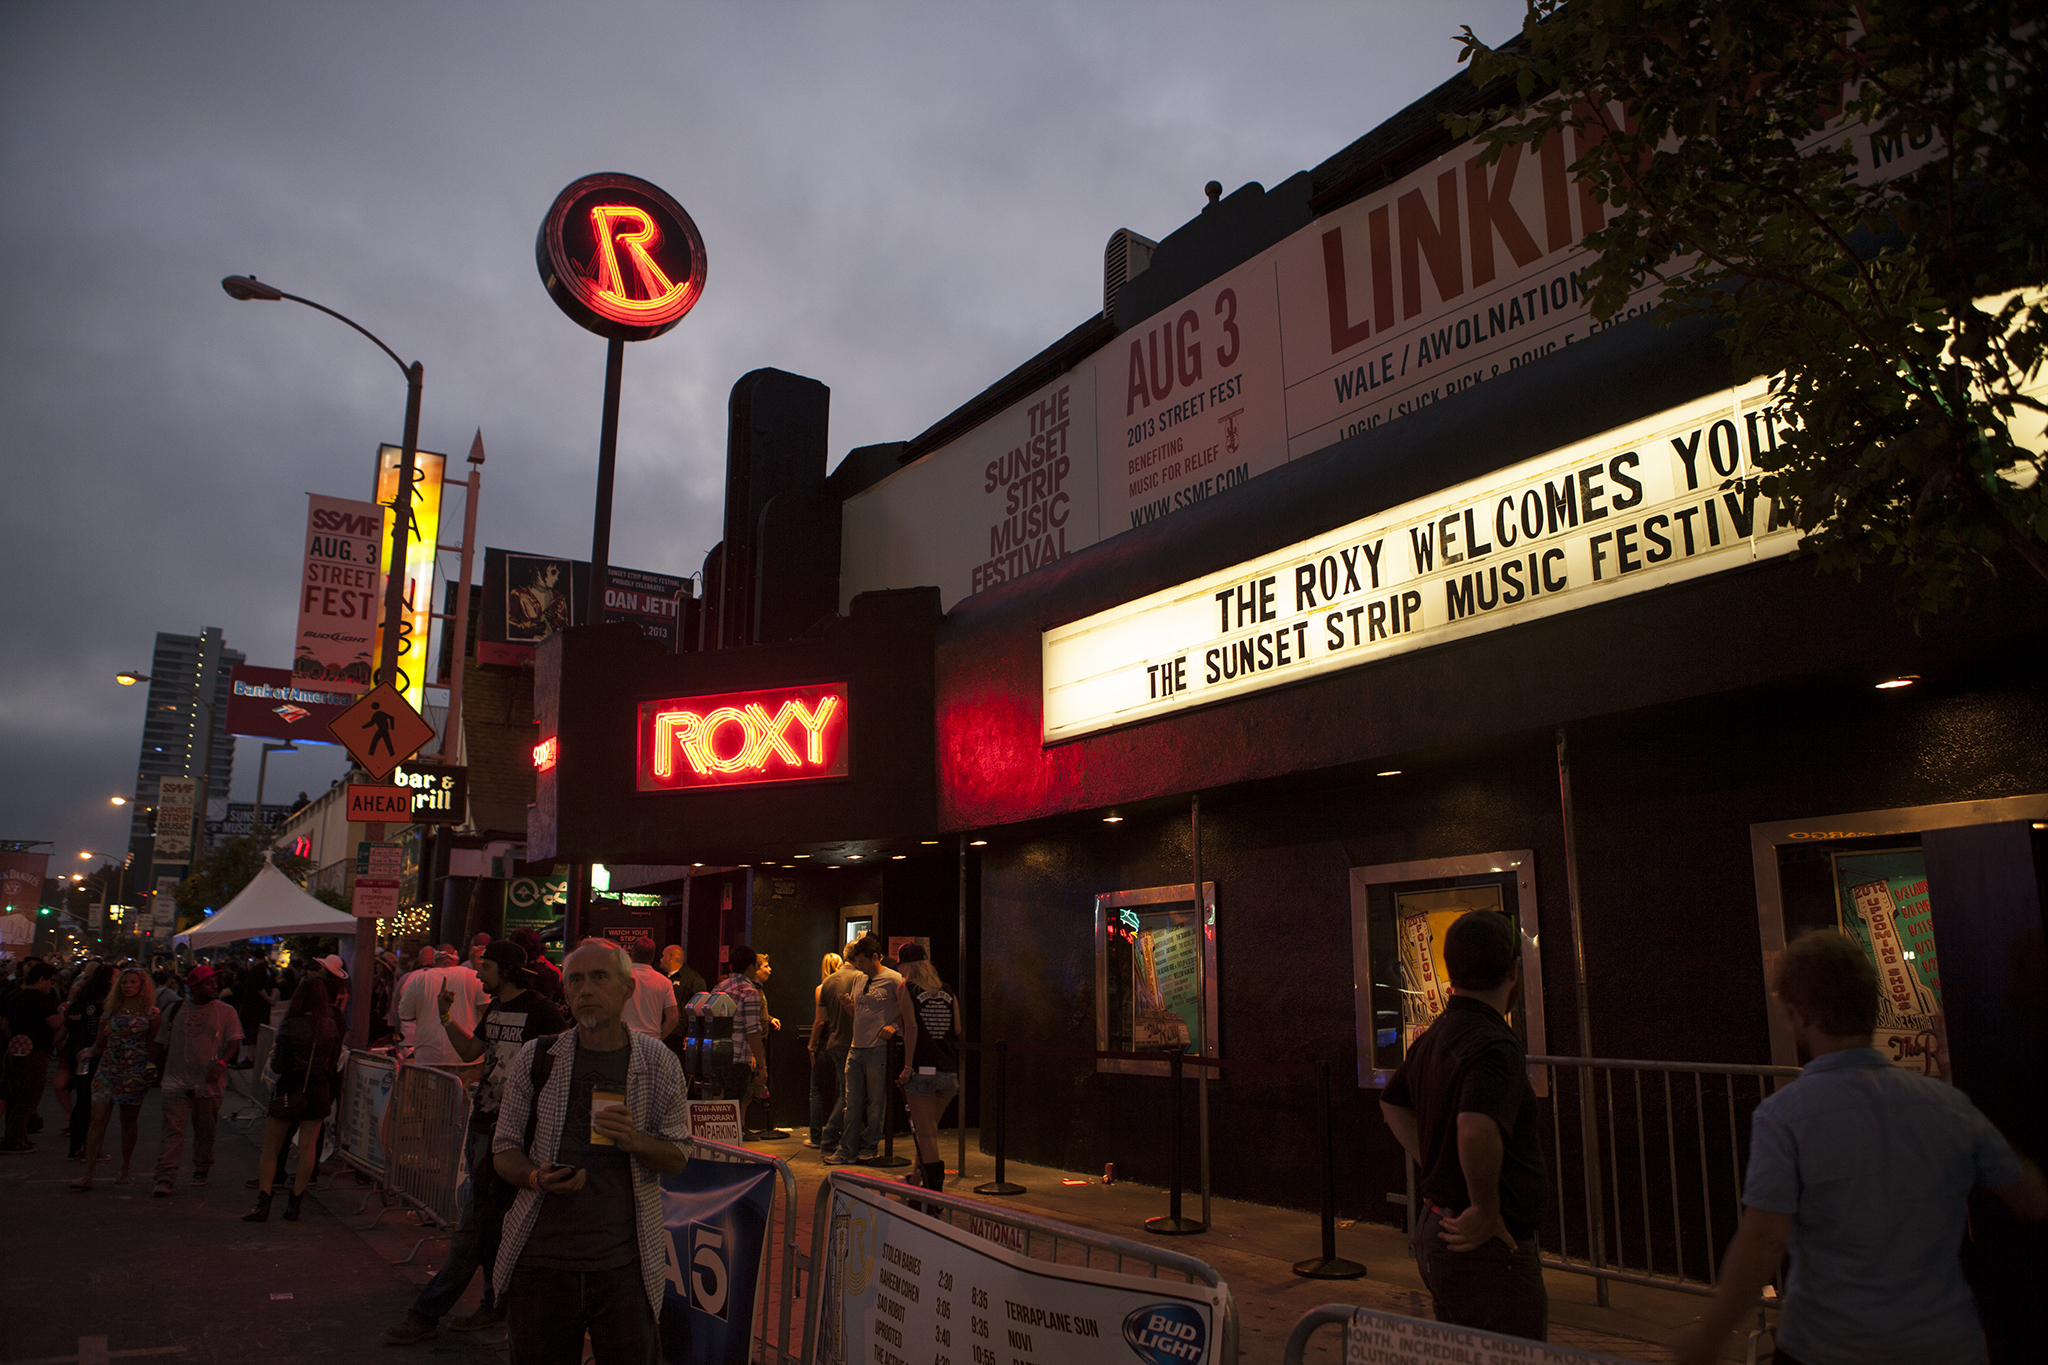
<point>623,260</point>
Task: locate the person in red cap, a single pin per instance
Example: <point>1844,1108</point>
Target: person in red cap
<point>199,1037</point>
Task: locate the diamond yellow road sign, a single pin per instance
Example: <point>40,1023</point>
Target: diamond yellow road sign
<point>381,730</point>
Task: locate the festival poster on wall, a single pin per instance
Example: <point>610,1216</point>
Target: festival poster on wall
<point>1421,920</point>
<point>1166,983</point>
<point>422,544</point>
<point>899,1285</point>
<point>1884,909</point>
<point>339,593</point>
<point>1190,402</point>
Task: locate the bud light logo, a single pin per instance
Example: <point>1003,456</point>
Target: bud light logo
<point>1167,1333</point>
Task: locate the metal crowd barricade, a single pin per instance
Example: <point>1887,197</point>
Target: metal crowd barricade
<point>360,1114</point>
<point>1041,1239</point>
<point>428,1126</point>
<point>779,1271</point>
<point>1647,1160</point>
<point>249,1083</point>
<point>1391,1333</point>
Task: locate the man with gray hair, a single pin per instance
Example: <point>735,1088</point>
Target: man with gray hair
<point>1863,1172</point>
<point>589,1122</point>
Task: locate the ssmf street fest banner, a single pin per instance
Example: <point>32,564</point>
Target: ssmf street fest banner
<point>1417,294</point>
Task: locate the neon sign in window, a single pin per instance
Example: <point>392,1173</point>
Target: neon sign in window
<point>734,739</point>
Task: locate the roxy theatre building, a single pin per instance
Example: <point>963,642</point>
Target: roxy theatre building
<point>1344,518</point>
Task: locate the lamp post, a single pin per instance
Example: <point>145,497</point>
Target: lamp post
<point>263,771</point>
<point>248,287</point>
<point>128,679</point>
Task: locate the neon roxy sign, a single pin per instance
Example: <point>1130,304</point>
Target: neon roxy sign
<point>737,739</point>
<point>621,257</point>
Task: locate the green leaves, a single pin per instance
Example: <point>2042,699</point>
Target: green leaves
<point>1839,186</point>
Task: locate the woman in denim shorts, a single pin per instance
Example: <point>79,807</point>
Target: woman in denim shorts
<point>931,1050</point>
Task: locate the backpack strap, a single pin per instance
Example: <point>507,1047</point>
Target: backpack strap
<point>543,1067</point>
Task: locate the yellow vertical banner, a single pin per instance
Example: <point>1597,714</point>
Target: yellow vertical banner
<point>421,538</point>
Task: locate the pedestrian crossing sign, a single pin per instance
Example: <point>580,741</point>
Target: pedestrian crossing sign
<point>381,730</point>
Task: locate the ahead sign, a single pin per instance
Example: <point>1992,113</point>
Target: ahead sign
<point>373,805</point>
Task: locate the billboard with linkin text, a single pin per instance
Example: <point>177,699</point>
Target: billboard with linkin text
<point>743,739</point>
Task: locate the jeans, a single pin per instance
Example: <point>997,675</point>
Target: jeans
<point>828,1077</point>
<point>81,1102</point>
<point>548,1312</point>
<point>1493,1289</point>
<point>25,1077</point>
<point>867,1090</point>
<point>835,1116</point>
<point>474,1243</point>
<point>203,1111</point>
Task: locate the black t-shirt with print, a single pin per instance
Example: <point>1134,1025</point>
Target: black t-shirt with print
<point>507,1026</point>
<point>596,1227</point>
<point>28,1015</point>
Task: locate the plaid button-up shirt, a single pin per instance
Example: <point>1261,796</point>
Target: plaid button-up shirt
<point>654,1094</point>
<point>748,1017</point>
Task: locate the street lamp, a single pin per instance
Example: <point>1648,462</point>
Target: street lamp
<point>247,287</point>
<point>130,677</point>
<point>263,771</point>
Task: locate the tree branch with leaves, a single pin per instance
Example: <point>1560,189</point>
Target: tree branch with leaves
<point>1859,194</point>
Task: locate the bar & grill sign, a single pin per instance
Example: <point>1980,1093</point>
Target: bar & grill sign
<point>1659,501</point>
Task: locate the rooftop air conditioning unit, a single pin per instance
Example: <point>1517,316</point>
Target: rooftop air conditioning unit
<point>1126,255</point>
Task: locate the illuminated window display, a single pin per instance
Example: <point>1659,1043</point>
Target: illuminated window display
<point>1155,975</point>
<point>1399,912</point>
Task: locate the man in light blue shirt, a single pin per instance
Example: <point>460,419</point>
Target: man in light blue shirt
<point>1863,1172</point>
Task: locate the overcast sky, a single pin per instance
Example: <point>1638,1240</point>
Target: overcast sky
<point>901,200</point>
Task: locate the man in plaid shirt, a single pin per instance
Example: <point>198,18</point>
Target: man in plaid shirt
<point>748,1079</point>
<point>584,1248</point>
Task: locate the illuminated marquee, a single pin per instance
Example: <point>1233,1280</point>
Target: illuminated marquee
<point>734,739</point>
<point>621,257</point>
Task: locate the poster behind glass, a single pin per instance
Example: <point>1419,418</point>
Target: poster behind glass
<point>1154,964</point>
<point>1883,908</point>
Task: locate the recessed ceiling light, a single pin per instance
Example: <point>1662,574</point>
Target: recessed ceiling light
<point>855,857</point>
<point>898,857</point>
<point>1391,772</point>
<point>977,843</point>
<point>927,842</point>
<point>1903,680</point>
<point>696,864</point>
<point>799,855</point>
<point>1112,819</point>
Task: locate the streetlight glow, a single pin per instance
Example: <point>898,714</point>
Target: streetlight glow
<point>118,800</point>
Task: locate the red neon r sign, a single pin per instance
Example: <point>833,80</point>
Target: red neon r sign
<point>639,237</point>
<point>743,738</point>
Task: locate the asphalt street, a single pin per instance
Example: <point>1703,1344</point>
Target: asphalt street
<point>115,1275</point>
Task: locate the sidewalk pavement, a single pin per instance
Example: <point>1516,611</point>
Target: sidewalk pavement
<point>1254,1248</point>
<point>117,1275</point>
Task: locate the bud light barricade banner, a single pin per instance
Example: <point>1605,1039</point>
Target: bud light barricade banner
<point>902,1287</point>
<point>716,1214</point>
<point>1374,1338</point>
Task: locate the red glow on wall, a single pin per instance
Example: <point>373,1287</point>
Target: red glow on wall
<point>733,739</point>
<point>545,753</point>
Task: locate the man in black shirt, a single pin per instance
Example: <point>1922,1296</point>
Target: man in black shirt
<point>34,1017</point>
<point>514,1017</point>
<point>1463,1107</point>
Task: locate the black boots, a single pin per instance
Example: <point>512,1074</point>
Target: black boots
<point>934,1175</point>
<point>292,1204</point>
<point>261,1213</point>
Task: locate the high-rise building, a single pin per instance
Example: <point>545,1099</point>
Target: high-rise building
<point>173,736</point>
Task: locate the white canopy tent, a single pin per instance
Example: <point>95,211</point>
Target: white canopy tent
<point>270,905</point>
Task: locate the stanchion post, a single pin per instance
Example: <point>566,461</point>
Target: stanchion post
<point>889,1088</point>
<point>1001,1185</point>
<point>1328,1266</point>
<point>1173,1225</point>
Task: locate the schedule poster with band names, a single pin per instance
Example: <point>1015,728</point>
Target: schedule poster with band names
<point>902,1288</point>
